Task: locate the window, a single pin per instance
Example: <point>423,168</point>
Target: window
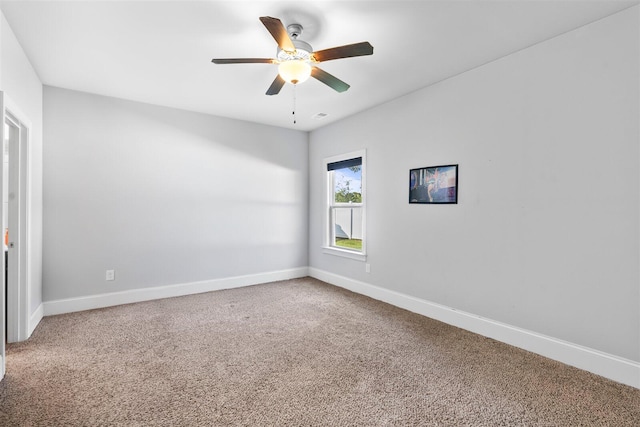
<point>346,205</point>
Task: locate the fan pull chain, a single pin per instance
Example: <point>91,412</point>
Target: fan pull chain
<point>294,104</point>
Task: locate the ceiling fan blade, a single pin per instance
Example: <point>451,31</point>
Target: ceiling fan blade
<point>279,33</point>
<point>275,87</point>
<point>347,51</point>
<point>328,79</point>
<point>243,61</point>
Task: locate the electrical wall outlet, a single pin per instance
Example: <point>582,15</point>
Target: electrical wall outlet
<point>367,268</point>
<point>111,275</point>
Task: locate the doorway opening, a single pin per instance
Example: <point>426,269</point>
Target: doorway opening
<point>14,223</point>
<point>15,212</point>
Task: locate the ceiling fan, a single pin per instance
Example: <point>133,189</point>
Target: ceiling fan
<point>296,59</point>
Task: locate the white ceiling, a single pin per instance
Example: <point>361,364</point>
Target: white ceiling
<point>159,52</point>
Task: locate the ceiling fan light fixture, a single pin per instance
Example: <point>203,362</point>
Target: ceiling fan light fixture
<point>294,71</point>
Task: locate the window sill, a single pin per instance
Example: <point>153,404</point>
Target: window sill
<point>345,253</point>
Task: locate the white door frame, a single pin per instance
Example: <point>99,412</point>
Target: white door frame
<point>18,290</point>
<point>3,297</point>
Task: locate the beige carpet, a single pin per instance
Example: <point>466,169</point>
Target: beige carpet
<point>292,353</point>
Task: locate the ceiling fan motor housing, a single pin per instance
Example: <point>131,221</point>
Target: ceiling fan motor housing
<point>303,52</point>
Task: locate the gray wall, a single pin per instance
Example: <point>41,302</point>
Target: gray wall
<point>546,231</point>
<point>20,82</point>
<point>165,196</point>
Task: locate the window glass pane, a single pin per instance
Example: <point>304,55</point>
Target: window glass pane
<point>347,185</point>
<point>347,231</point>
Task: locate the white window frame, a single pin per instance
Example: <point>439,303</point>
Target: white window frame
<point>329,228</point>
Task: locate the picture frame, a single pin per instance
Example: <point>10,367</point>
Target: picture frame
<point>434,185</point>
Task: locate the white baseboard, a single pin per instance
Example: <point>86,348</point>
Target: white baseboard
<point>35,318</point>
<point>146,294</point>
<point>609,366</point>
